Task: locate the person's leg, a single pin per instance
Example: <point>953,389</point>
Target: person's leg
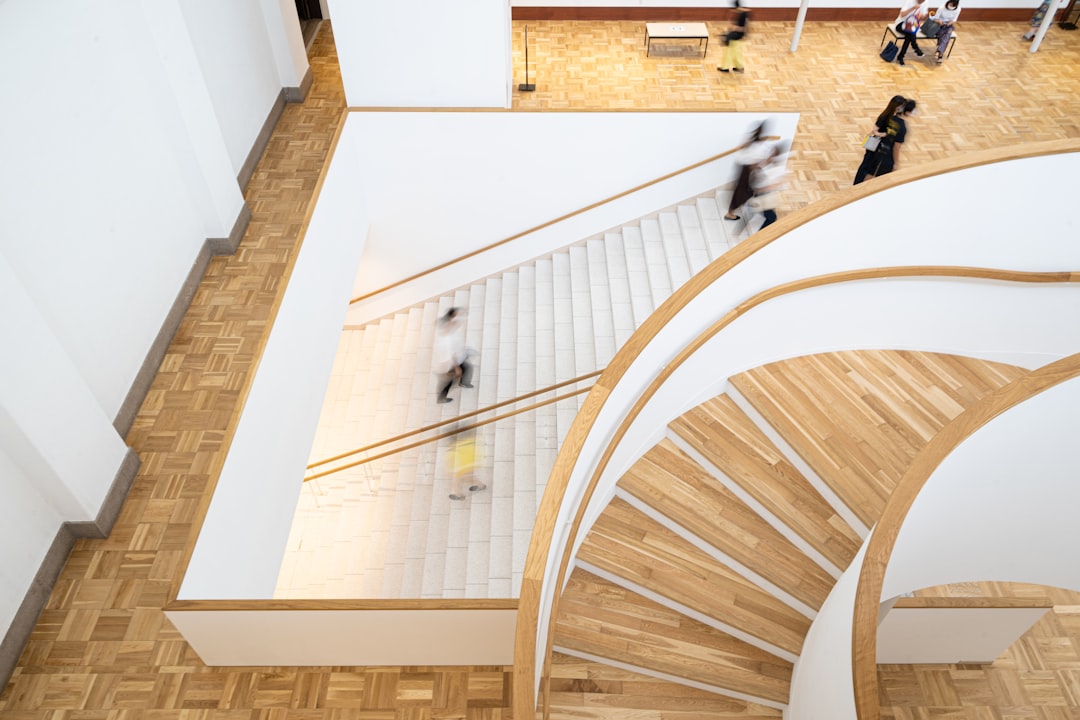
<point>741,194</point>
<point>444,393</point>
<point>466,371</point>
<point>737,55</point>
<point>903,48</point>
<point>864,168</point>
<point>943,41</point>
<point>725,64</point>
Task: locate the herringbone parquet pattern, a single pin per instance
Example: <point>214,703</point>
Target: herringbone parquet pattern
<point>103,649</point>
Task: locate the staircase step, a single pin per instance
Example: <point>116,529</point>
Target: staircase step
<point>675,256</point>
<point>587,690</point>
<point>668,481</point>
<point>857,418</point>
<point>652,242</point>
<point>641,293</point>
<point>602,620</point>
<point>603,319</point>
<point>582,304</point>
<point>697,250</point>
<point>629,544</point>
<point>622,307</point>
<point>735,446</point>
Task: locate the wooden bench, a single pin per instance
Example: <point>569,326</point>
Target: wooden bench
<point>890,29</point>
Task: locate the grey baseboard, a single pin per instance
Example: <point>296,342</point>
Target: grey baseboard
<point>297,94</point>
<point>285,95</point>
<point>145,377</point>
<point>26,617</point>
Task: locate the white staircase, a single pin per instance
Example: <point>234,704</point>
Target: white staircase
<point>387,528</point>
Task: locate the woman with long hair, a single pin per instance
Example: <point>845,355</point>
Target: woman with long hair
<point>891,130</point>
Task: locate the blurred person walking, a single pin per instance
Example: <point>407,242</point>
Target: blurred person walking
<point>734,39</point>
<point>451,357</point>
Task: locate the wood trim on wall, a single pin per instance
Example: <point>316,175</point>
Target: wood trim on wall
<point>531,594</point>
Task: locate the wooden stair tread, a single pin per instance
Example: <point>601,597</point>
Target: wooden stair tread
<point>669,481</point>
<point>588,690</point>
<point>633,546</point>
<point>604,620</point>
<point>859,417</point>
<point>731,441</point>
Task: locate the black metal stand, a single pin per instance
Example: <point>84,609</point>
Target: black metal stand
<point>1070,16</point>
<point>527,86</point>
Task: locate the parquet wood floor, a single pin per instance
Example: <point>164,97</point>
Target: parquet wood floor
<point>991,92</point>
<point>1038,677</point>
<point>103,649</point>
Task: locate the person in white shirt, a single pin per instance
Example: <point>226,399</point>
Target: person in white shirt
<point>908,23</point>
<point>451,357</point>
<point>945,16</point>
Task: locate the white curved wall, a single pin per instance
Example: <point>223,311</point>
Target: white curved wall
<point>821,685</point>
<point>851,237</point>
<point>1002,506</point>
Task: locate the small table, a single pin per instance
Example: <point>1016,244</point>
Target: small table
<point>676,31</point>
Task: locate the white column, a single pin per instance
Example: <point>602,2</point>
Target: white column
<point>51,425</point>
<point>283,29</point>
<point>423,53</point>
<point>1047,21</point>
<point>185,104</point>
<point>799,24</point>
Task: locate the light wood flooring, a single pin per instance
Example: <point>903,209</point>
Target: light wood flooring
<point>1038,677</point>
<point>991,92</point>
<point>103,649</point>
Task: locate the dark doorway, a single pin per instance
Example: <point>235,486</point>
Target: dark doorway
<point>308,10</point>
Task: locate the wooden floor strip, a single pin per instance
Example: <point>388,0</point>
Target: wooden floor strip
<point>601,619</point>
<point>857,418</point>
<point>677,487</point>
<point>632,546</point>
<point>732,443</point>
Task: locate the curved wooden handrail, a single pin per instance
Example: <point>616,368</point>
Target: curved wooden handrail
<point>530,597</point>
<point>451,433</point>
<point>555,221</point>
<point>883,539</point>
<point>453,420</point>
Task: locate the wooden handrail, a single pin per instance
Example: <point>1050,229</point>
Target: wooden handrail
<point>531,594</point>
<point>555,221</point>
<point>342,604</point>
<point>456,419</point>
<point>883,539</point>
<point>451,433</point>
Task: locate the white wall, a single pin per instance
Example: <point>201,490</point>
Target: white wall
<point>851,236</point>
<point>238,67</point>
<point>821,685</point>
<point>911,635</point>
<point>423,53</point>
<point>487,176</point>
<point>116,170</point>
<point>1001,506</point>
<point>367,637</point>
<point>243,537</point>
